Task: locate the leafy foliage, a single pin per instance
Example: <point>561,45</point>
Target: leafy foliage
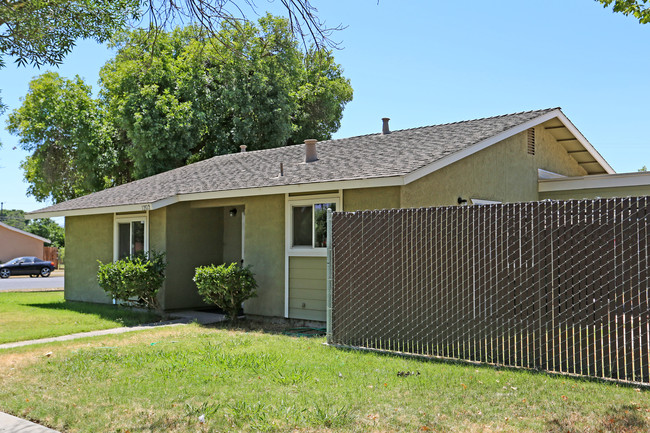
<point>134,280</point>
<point>43,32</point>
<point>14,218</point>
<point>64,128</point>
<point>187,97</point>
<point>49,229</point>
<point>194,97</point>
<point>226,286</point>
<point>640,9</point>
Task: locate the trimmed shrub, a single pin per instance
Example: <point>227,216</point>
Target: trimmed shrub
<point>134,280</point>
<point>226,286</point>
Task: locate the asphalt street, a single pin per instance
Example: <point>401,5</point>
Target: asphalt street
<point>27,283</point>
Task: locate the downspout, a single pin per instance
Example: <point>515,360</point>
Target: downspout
<point>329,277</point>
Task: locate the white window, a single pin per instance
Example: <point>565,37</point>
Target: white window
<point>307,224</point>
<point>131,236</point>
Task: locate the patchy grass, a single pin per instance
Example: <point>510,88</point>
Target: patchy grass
<point>33,315</point>
<point>168,379</point>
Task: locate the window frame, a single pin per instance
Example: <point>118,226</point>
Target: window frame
<point>124,219</point>
<point>301,201</point>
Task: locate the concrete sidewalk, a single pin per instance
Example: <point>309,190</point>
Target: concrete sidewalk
<point>180,318</point>
<point>11,424</point>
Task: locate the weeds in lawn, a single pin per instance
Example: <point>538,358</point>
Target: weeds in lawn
<point>330,416</point>
<point>205,409</point>
<point>292,378</point>
<point>190,379</point>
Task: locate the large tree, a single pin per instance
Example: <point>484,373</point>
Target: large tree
<point>48,229</point>
<point>64,129</point>
<point>43,32</point>
<point>187,97</point>
<point>640,9</point>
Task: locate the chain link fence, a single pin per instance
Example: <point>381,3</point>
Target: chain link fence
<point>560,286</point>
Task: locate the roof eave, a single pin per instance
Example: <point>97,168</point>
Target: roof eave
<point>464,153</point>
<point>585,143</point>
<point>247,192</point>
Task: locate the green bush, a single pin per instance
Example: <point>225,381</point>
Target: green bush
<point>134,280</point>
<point>226,286</point>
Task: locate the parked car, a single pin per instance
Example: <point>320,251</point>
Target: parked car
<point>32,266</point>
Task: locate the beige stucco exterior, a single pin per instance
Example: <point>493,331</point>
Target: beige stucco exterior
<point>263,246</point>
<point>203,232</point>
<point>503,172</point>
<point>14,243</point>
<point>88,239</point>
<point>371,198</point>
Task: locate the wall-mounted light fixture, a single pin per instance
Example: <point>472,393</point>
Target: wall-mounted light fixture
<point>233,212</point>
<point>462,200</point>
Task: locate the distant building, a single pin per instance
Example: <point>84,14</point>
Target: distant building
<point>17,243</point>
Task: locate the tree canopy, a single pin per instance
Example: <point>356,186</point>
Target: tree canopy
<point>640,9</point>
<point>42,32</point>
<point>185,98</point>
<point>62,126</point>
<point>48,229</point>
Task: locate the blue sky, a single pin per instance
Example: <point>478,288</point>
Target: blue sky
<point>422,63</point>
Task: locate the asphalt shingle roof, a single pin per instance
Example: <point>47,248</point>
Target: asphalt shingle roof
<point>363,157</point>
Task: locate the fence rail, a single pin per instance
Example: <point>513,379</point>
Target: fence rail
<point>557,286</point>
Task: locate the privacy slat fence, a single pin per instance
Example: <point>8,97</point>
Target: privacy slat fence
<point>560,286</point>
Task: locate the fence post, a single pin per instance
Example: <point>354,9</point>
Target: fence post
<point>329,276</point>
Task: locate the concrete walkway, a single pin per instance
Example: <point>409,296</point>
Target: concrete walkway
<point>180,318</point>
<point>11,424</point>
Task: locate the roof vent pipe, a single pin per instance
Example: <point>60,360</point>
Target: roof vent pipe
<point>385,129</point>
<point>310,150</point>
<point>243,148</point>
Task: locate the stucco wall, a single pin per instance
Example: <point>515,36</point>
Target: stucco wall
<point>371,198</point>
<point>88,239</point>
<point>264,251</point>
<point>200,233</point>
<point>629,191</point>
<point>194,237</point>
<point>502,172</point>
<point>14,244</point>
<point>232,234</point>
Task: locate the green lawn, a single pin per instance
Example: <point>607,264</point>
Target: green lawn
<point>165,379</point>
<point>32,315</point>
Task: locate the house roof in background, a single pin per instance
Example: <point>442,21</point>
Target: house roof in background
<point>22,232</point>
<point>369,160</point>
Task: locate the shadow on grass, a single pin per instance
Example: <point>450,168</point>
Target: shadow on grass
<point>115,313</point>
<point>619,419</point>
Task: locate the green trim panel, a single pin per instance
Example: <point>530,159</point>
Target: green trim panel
<point>307,288</point>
